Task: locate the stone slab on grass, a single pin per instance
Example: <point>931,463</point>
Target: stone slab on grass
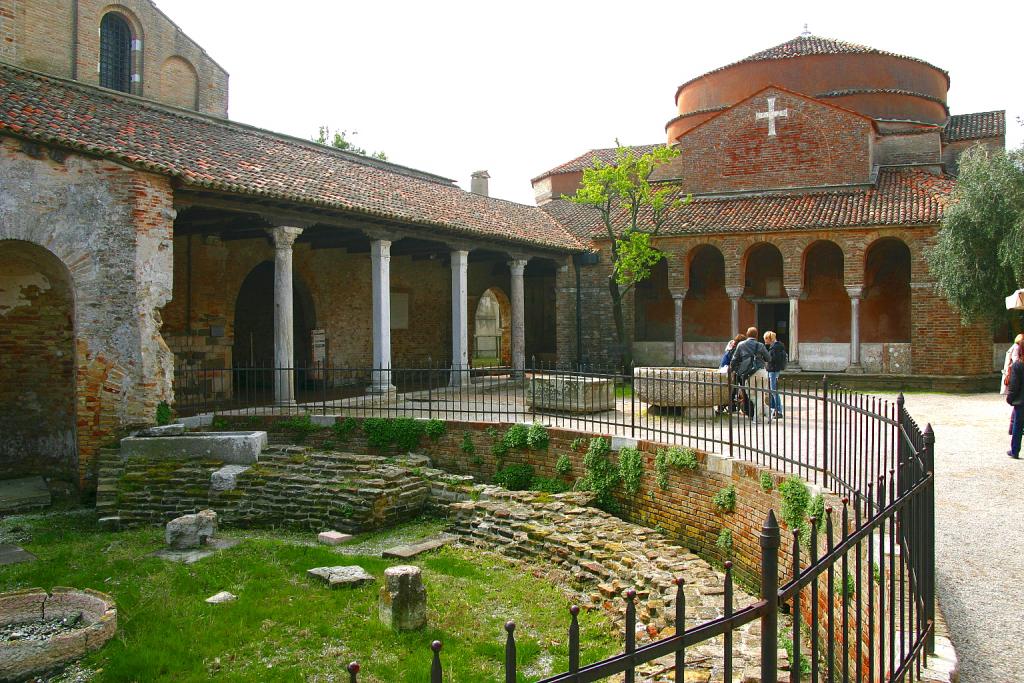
<point>196,554</point>
<point>221,597</point>
<point>350,575</point>
<point>332,537</point>
<point>26,493</point>
<point>404,552</point>
<point>12,554</point>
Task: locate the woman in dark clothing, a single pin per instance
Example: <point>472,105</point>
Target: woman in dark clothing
<point>1015,397</point>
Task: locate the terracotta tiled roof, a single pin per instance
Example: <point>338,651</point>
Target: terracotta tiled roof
<point>804,46</point>
<point>900,197</point>
<point>586,160</point>
<point>206,152</point>
<point>982,124</point>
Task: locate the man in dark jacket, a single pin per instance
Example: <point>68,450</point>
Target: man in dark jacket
<point>778,358</point>
<point>1015,397</point>
<point>749,363</point>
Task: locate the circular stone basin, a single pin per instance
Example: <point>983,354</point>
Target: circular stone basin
<point>41,632</point>
<point>681,387</point>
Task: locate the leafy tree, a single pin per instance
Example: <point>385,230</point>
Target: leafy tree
<point>632,212</point>
<point>978,258</point>
<point>340,139</point>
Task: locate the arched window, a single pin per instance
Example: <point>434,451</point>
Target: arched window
<point>115,53</point>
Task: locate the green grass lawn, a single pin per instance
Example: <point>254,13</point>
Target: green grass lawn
<point>286,627</point>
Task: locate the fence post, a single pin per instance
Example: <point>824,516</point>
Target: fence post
<point>770,541</point>
<point>824,431</point>
<point>630,633</point>
<point>928,556</point>
<point>574,640</point>
<point>435,666</point>
<point>353,671</point>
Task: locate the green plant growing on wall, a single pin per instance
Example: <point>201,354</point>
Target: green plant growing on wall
<point>682,458</point>
<point>578,443</point>
<point>435,429</point>
<point>631,469</point>
<point>406,432</point>
<point>846,588</point>
<point>600,474</point>
<point>786,641</point>
<point>378,432</point>
<point>163,413</point>
<point>467,445</point>
<point>767,482</point>
<point>548,485</point>
<point>343,429</point>
<point>537,437</point>
<point>491,432</point>
<point>514,477</point>
<point>796,499</point>
<point>724,542</point>
<point>725,499</point>
<point>515,437</point>
<point>563,465</point>
<point>220,422</point>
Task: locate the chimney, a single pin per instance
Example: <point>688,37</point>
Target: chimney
<point>478,185</point>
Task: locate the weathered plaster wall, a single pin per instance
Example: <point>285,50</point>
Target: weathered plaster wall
<point>111,228</point>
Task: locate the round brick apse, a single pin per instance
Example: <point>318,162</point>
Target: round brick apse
<point>877,84</point>
<point>37,364</point>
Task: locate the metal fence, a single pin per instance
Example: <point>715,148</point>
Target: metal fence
<point>864,586</point>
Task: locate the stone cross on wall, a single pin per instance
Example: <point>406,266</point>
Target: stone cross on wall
<point>771,115</point>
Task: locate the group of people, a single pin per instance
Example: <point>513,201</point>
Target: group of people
<point>753,367</point>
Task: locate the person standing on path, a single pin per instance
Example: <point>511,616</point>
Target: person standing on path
<point>749,361</point>
<point>1015,397</point>
<point>777,359</point>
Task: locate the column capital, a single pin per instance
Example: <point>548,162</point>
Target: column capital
<point>517,265</point>
<point>678,294</point>
<point>460,253</point>
<point>284,236</point>
<point>380,248</point>
<point>794,292</point>
<point>855,291</point>
<point>377,234</point>
<point>734,292</point>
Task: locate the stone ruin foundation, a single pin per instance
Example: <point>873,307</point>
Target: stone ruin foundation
<point>42,632</point>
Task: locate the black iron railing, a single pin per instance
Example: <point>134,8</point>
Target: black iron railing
<point>862,579</point>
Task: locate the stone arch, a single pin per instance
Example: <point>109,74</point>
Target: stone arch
<point>825,306</point>
<point>492,319</point>
<point>38,368</point>
<point>179,83</point>
<point>253,343</point>
<point>886,310</point>
<point>706,308</point>
<point>763,273</point>
<point>654,310</point>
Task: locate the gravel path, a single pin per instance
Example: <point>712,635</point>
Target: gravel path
<point>979,532</point>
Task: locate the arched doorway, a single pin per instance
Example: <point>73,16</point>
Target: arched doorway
<point>825,308</point>
<point>765,304</point>
<point>253,345</point>
<point>37,365</point>
<point>492,330</point>
<point>706,308</point>
<point>654,312</point>
<point>885,311</point>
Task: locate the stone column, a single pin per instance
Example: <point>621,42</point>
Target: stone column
<point>855,294</point>
<point>677,349</point>
<point>518,316</point>
<point>794,329</point>
<point>734,298</point>
<point>380,275</point>
<point>460,320</point>
<point>284,315</point>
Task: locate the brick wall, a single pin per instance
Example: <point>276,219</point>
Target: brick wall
<point>40,35</point>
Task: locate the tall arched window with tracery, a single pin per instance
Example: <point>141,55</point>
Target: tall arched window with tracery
<point>115,53</point>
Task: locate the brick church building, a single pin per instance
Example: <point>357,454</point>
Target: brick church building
<point>151,248</point>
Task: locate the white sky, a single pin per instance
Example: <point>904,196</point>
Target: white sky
<point>518,87</point>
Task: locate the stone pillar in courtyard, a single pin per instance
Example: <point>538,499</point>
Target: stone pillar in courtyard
<point>677,348</point>
<point>380,276</point>
<point>284,333</point>
<point>403,599</point>
<point>794,329</point>
<point>460,318</point>
<point>855,295</point>
<point>734,299</point>
<point>517,266</point>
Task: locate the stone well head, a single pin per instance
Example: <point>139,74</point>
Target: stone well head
<point>92,619</point>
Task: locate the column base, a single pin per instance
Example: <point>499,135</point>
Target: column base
<point>375,390</point>
<point>793,366</point>
<point>855,369</point>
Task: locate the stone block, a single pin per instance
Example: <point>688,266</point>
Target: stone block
<point>681,387</point>
<point>235,448</point>
<point>226,478</point>
<point>403,599</point>
<point>352,575</point>
<point>332,537</point>
<point>570,394</point>
<point>221,597</point>
<point>404,552</point>
<point>176,429</point>
<point>191,531</point>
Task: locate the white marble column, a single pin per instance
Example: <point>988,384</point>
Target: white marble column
<point>284,316</point>
<point>794,329</point>
<point>855,295</point>
<point>460,318</point>
<point>734,299</point>
<point>380,275</point>
<point>677,349</point>
<point>518,316</point>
